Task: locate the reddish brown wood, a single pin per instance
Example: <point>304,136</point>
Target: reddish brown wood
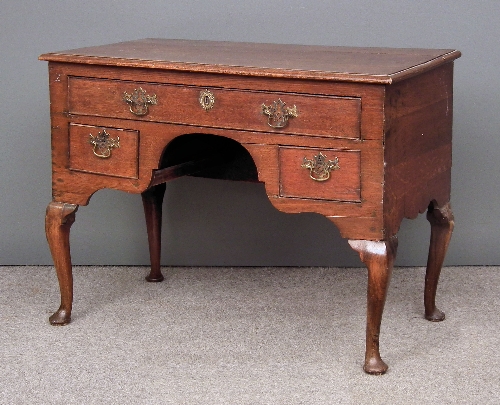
<point>385,113</point>
<point>442,223</point>
<point>236,109</point>
<point>152,200</point>
<point>343,184</point>
<point>367,65</point>
<point>379,258</point>
<point>418,132</point>
<point>58,221</point>
<point>123,160</point>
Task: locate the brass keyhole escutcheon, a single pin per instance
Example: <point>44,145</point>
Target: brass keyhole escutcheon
<point>320,167</point>
<point>207,100</point>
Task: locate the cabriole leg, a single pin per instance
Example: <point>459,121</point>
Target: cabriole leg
<point>379,258</point>
<point>442,223</point>
<point>152,200</point>
<point>58,221</point>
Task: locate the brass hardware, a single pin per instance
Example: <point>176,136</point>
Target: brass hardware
<point>103,144</point>
<point>278,114</point>
<point>139,101</point>
<point>207,100</point>
<point>319,167</point>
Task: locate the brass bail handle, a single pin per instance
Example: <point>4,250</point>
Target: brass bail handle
<point>139,101</point>
<point>278,113</point>
<point>103,144</point>
<point>320,167</point>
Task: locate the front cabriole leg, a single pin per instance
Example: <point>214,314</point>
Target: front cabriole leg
<point>442,223</point>
<point>379,258</point>
<point>58,221</point>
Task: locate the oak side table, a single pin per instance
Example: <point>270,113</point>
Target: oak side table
<point>362,136</point>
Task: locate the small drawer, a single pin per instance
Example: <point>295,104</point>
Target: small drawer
<point>287,113</point>
<point>325,174</point>
<point>100,150</point>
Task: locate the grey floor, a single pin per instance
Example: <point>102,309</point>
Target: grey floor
<point>245,336</point>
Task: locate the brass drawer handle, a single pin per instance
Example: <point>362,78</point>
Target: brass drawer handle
<point>320,167</point>
<point>139,101</point>
<point>103,144</point>
<point>278,113</point>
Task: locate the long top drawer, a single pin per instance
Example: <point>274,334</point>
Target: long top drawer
<point>289,113</point>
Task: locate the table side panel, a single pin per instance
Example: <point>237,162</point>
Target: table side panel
<point>418,146</point>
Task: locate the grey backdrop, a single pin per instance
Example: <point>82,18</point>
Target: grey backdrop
<point>211,222</point>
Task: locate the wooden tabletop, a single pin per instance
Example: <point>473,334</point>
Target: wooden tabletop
<point>369,65</point>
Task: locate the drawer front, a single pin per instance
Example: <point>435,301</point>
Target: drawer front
<point>288,113</point>
<point>326,174</point>
<point>108,151</point>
